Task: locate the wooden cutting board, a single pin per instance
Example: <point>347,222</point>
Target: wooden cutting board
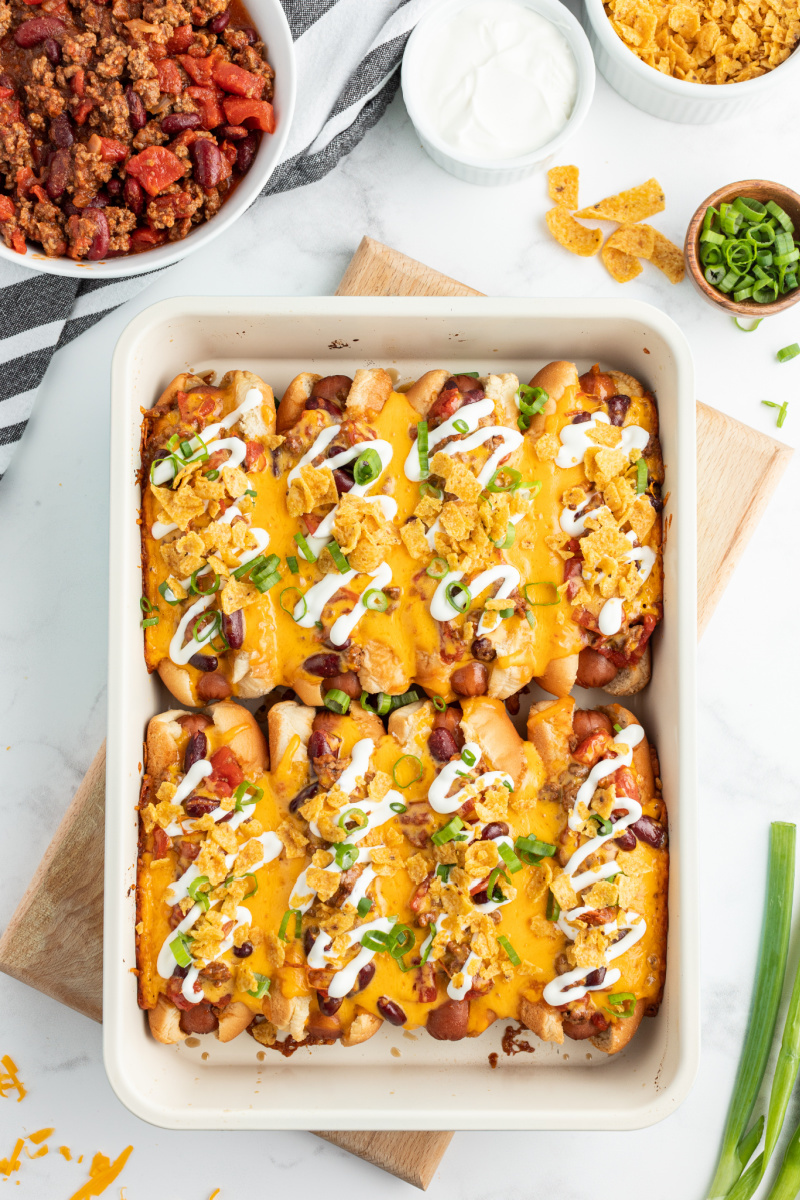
<point>738,469</point>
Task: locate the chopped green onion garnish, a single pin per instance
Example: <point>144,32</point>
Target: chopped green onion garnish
<point>178,945</point>
<point>397,806</point>
<point>346,855</point>
<point>148,621</point>
<point>471,374</point>
<point>353,814</point>
<point>292,564</point>
<point>782,410</point>
<point>509,949</point>
<point>406,698</point>
<point>251,875</point>
<point>339,560</point>
<point>495,897</point>
<point>145,605</point>
<point>603,824</point>
<point>448,832</point>
<point>264,580</point>
<point>514,477</point>
<point>468,757</point>
<point>196,895</point>
<point>505,613</point>
<point>293,603</point>
<point>367,467</point>
<point>541,603</point>
<point>375,600</point>
<point>375,939</point>
<point>417,770</point>
<point>305,549</point>
<point>461,426</point>
<point>439,704</point>
<point>261,988</point>
<point>788,352</point>
<point>336,700</point>
<point>422,447</point>
<point>531,850</point>
<point>458,596</point>
<point>641,476</point>
<point>429,489</point>
<point>508,540</point>
<point>283,932</point>
<point>166,592</point>
<point>622,1004</point>
<point>203,632</point>
<point>383,703</point>
<point>246,795</point>
<point>195,587</point>
<point>250,492</point>
<point>437,569</point>
<point>748,236</point>
<point>509,858</point>
<point>443,871</point>
<point>364,905</point>
<point>553,911</point>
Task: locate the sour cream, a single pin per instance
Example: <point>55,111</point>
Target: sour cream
<point>498,80</point>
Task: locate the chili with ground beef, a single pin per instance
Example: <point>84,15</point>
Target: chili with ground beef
<point>124,123</point>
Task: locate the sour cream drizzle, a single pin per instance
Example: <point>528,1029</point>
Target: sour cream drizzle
<point>470,414</point>
<point>165,470</point>
<point>575,440</point>
<point>181,654</point>
<point>438,798</point>
<point>442,609</point>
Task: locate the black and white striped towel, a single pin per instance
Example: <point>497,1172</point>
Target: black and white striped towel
<point>348,55</point>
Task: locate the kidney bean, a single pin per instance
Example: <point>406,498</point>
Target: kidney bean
<point>204,662</point>
<point>133,195</point>
<point>199,1018</point>
<point>99,200</point>
<point>347,683</point>
<point>581,417</point>
<point>343,480</point>
<point>483,649</point>
<point>198,806</point>
<point>301,797</point>
<point>243,951</point>
<point>69,208</point>
<point>324,665</point>
<point>7,81</point>
<point>207,162</point>
<point>250,34</point>
<point>34,32</point>
<point>390,1011</point>
<point>180,972</point>
<point>471,680</point>
<point>494,829</point>
<point>213,687</point>
<point>618,408</point>
<point>626,840</point>
<point>137,113</point>
<point>364,977</point>
<point>310,935</point>
<point>101,239</point>
<point>442,745</point>
<point>318,745</point>
<point>220,22</point>
<point>52,50</point>
<point>196,748</point>
<point>651,832</point>
<point>233,628</point>
<point>481,897</point>
<point>61,134</point>
<point>245,153</point>
<point>58,175</point>
<point>177,122</point>
<point>114,188</point>
<point>595,978</point>
<point>188,850</point>
<point>328,1004</point>
<point>234,133</point>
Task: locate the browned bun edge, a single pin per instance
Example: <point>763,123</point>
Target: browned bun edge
<point>372,387</point>
<point>404,723</point>
<point>164,1021</point>
<point>486,722</point>
<point>233,1020</point>
<point>555,378</point>
<point>626,384</point>
<point>178,681</point>
<point>620,1032</point>
<point>294,399</point>
<point>363,1026</point>
<point>546,1022</point>
<point>248,742</point>
<point>549,731</point>
<point>422,394</point>
<point>630,680</point>
<point>559,675</point>
<point>284,720</point>
<point>160,742</point>
<point>181,383</point>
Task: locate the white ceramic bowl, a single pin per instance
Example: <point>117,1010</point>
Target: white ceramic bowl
<point>270,21</point>
<point>481,171</point>
<point>676,99</point>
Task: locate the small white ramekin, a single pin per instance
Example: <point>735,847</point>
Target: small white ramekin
<point>496,171</point>
<point>676,99</point>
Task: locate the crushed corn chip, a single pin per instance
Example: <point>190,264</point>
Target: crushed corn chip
<point>629,206</point>
<point>571,235</point>
<point>562,186</point>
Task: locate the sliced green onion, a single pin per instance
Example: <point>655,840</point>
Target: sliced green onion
<point>782,409</point>
<point>252,493</point>
<point>422,447</point>
<point>146,606</point>
<point>346,855</point>
<point>461,426</point>
<point>753,326</point>
<point>375,939</point>
<point>449,832</point>
<point>529,617</point>
<point>763,1008</point>
<point>367,467</point>
<point>509,538</point>
<point>199,591</point>
<point>397,806</point>
<point>336,700</point>
<point>186,449</point>
<point>383,703</point>
<point>531,850</point>
<point>443,871</point>
<point>292,564</point>
<point>714,275</point>
<point>751,210</point>
<point>179,947</point>
<point>198,897</point>
<point>249,790</point>
<point>514,478</point>
<point>251,875</point>
<point>603,824</point>
<point>306,551</point>
<point>340,562</point>
<point>509,858</point>
<point>471,374</point>
<point>293,603</point>
<point>553,911</point>
<point>257,566</point>
<point>429,489</point>
<point>200,624</point>
<point>468,757</point>
<point>458,596</point>
<point>261,988</point>
<point>149,621</point>
<point>438,568</point>
<point>164,588</point>
<point>641,476</point>
<point>406,698</point>
<point>509,949</point>
<point>418,770</point>
<point>439,704</point>
<point>264,580</point>
<point>788,352</point>
<point>364,905</point>
<point>505,613</point>
<point>531,400</point>
<point>375,600</point>
<point>498,897</point>
<point>353,814</point>
<point>401,939</point>
<point>782,217</point>
<point>283,932</point>
<point>541,603</point>
<point>621,1004</point>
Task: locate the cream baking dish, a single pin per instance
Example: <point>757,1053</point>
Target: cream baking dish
<point>431,1085</point>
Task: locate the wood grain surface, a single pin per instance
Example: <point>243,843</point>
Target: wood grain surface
<point>64,958</point>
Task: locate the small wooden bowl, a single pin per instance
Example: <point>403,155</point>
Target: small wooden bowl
<point>756,189</point>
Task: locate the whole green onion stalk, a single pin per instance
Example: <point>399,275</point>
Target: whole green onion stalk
<point>737,1143</point>
<point>787,1185</point>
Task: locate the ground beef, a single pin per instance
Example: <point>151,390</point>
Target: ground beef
<point>43,222</point>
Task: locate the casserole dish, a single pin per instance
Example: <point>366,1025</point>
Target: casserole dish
<point>235,1085</point>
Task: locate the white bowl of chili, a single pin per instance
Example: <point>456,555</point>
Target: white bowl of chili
<point>269,19</point>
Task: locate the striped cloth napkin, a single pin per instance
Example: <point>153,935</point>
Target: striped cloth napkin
<point>348,57</point>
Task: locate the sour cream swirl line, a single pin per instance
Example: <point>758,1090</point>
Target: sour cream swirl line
<point>469,414</point>
<point>442,609</point>
<point>243,917</point>
<point>165,470</point>
<point>438,798</point>
<point>627,738</point>
<point>271,846</point>
<point>575,440</point>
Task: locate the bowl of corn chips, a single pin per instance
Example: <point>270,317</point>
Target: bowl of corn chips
<point>696,61</point>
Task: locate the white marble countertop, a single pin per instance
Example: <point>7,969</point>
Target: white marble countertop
<point>53,535</point>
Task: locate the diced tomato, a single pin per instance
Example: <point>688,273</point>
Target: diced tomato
<point>38,191</point>
<point>170,79</point>
<point>82,111</point>
<point>25,179</point>
<point>207,102</point>
<point>109,149</point>
<point>18,242</point>
<point>145,239</point>
<point>592,748</point>
<point>237,80</point>
<point>254,458</point>
<point>257,114</point>
<point>181,40</point>
<point>312,522</point>
<point>155,169</point>
<point>229,152</point>
<point>226,769</point>
<point>9,113</point>
<point>156,51</point>
<point>6,93</point>
<point>625,784</point>
<point>161,843</point>
<point>78,82</point>
<point>177,203</point>
<point>7,208</point>
<point>198,69</point>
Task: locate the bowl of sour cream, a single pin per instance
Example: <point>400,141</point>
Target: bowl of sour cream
<point>495,88</point>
